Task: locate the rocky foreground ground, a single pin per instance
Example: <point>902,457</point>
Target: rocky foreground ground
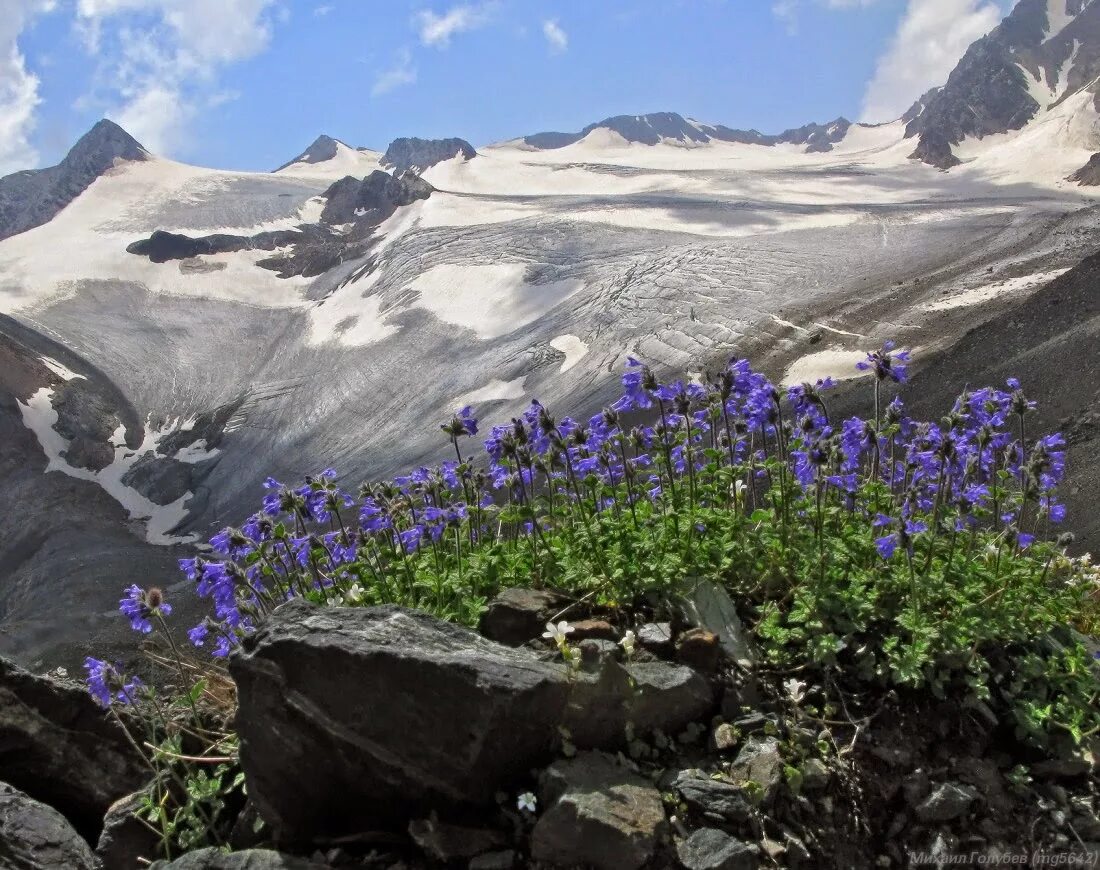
<point>384,738</point>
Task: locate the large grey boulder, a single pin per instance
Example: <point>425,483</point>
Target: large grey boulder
<point>711,849</point>
<point>60,748</point>
<point>357,717</point>
<point>597,814</point>
<point>34,836</point>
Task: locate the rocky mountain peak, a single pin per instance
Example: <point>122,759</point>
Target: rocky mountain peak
<point>32,197</point>
<point>419,155</point>
<point>320,149</point>
<point>101,146</point>
<point>1042,53</point>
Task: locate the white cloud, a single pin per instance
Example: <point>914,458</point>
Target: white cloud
<point>158,69</point>
<point>437,30</point>
<point>400,74</point>
<point>18,87</point>
<point>555,36</point>
<point>932,36</point>
<point>787,12</point>
<point>322,11</point>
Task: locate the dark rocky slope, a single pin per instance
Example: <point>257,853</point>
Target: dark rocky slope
<point>32,197</point>
<point>417,155</point>
<point>988,91</point>
<point>658,126</point>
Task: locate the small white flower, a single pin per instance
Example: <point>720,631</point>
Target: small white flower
<point>796,689</point>
<point>627,643</point>
<point>527,801</point>
<point>354,595</point>
<point>739,488</point>
<point>557,632</point>
<point>61,672</point>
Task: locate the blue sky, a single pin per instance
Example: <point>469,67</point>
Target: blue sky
<point>248,83</point>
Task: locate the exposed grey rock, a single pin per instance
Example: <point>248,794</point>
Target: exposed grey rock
<point>710,606</point>
<point>759,761</point>
<point>88,418</point>
<point>125,839</point>
<point>502,860</point>
<point>988,91</point>
<point>669,126</point>
<point>666,696</point>
<point>316,761</point>
<point>947,801</point>
<point>58,747</point>
<point>250,859</point>
<point>321,149</point>
<point>517,615</point>
<point>373,199</point>
<point>707,795</point>
<point>417,155</point>
<point>712,849</point>
<point>160,479</point>
<point>597,814</point>
<point>815,775</point>
<point>32,197</point>
<point>445,842</point>
<point>656,637</point>
<point>34,836</point>
<point>724,737</point>
<point>1089,174</point>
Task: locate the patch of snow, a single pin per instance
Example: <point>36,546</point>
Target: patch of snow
<point>348,161</point>
<point>986,292</point>
<point>835,363</point>
<point>39,416</point>
<point>1058,18</point>
<point>492,300</point>
<point>494,391</point>
<point>66,374</point>
<point>573,348</point>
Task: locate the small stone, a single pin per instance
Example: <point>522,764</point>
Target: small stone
<point>656,637</point>
<point>815,775</point>
<point>249,859</point>
<point>707,795</point>
<point>915,787</point>
<point>517,615</point>
<point>797,853</point>
<point>947,801</point>
<point>698,648</point>
<point>447,843</point>
<point>725,737</point>
<point>598,814</point>
<point>711,849</point>
<point>751,723</point>
<point>1061,768</point>
<point>773,849</point>
<point>591,629</point>
<point>503,860</point>
<point>759,761</point>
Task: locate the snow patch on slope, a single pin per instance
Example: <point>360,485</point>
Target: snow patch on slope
<point>39,416</point>
<point>492,300</point>
<point>494,391</point>
<point>573,348</point>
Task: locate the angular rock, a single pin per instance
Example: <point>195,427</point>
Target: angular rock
<point>250,859</point>
<point>517,615</point>
<point>57,745</point>
<point>34,836</point>
<point>711,849</point>
<point>725,737</point>
<point>445,842</point>
<point>593,629</point>
<point>815,775</point>
<point>410,153</point>
<point>759,761</point>
<point>666,696</point>
<point>502,860</point>
<point>698,648</point>
<point>706,795</point>
<point>349,714</point>
<point>709,606</point>
<point>125,840</point>
<point>656,637</point>
<point>947,801</point>
<point>597,814</point>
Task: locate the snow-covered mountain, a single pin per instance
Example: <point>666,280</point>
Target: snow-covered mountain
<point>170,335</point>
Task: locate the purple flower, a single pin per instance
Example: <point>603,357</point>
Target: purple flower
<point>886,545</point>
<point>139,605</point>
<point>198,634</point>
<point>887,364</point>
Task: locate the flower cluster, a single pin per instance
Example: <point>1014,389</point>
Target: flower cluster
<point>696,462</point>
